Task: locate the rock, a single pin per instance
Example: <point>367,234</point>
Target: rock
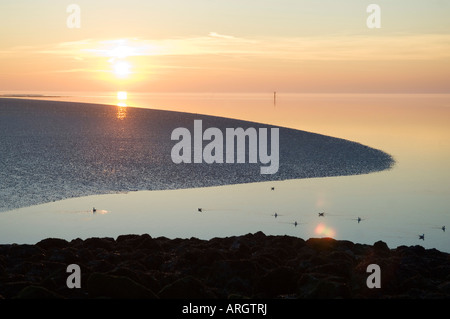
<point>11,288</point>
<point>380,247</point>
<point>322,244</point>
<point>144,241</point>
<point>52,243</point>
<point>318,286</point>
<point>24,251</point>
<point>153,262</point>
<point>103,243</point>
<point>248,266</point>
<point>148,243</point>
<point>37,292</point>
<point>185,288</point>
<point>343,269</point>
<point>444,288</point>
<point>55,278</point>
<point>116,287</point>
<point>222,271</point>
<point>281,280</point>
<point>127,239</point>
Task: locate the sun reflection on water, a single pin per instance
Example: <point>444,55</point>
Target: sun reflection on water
<point>323,230</point>
<point>121,111</point>
<point>121,105</point>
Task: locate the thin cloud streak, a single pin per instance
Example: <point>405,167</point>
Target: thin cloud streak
<point>336,48</point>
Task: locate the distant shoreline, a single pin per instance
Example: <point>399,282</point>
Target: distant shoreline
<point>28,96</point>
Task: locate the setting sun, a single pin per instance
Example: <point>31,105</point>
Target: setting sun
<point>122,69</point>
<point>121,95</point>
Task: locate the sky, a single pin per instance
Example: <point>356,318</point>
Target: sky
<point>299,46</point>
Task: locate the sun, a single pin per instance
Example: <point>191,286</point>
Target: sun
<point>122,69</point>
<point>122,95</point>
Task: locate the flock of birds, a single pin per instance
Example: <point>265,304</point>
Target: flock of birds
<point>295,223</point>
<point>322,214</point>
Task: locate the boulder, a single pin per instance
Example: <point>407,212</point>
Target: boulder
<point>116,287</point>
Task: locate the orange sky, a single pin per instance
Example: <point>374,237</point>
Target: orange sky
<point>225,46</point>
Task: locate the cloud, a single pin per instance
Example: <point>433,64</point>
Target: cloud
<point>217,35</point>
<point>332,48</point>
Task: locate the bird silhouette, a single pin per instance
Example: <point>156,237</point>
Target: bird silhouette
<point>359,219</point>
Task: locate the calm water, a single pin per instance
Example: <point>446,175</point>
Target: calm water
<point>395,205</point>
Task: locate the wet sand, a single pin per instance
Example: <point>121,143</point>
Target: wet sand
<point>56,150</point>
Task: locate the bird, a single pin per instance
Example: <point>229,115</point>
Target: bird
<point>359,219</point>
<point>443,228</point>
<point>295,224</point>
<point>94,209</point>
<point>422,236</point>
<point>273,188</point>
<point>321,214</point>
<point>276,215</point>
<point>200,210</point>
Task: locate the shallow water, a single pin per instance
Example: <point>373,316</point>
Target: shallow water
<point>395,205</point>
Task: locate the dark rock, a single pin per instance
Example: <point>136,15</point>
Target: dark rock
<point>240,247</point>
<point>222,270</point>
<point>13,287</point>
<point>103,243</point>
<point>346,245</point>
<point>153,261</point>
<point>66,256</point>
<point>52,243</point>
<point>116,287</point>
<point>318,286</point>
<point>123,271</point>
<point>127,239</point>
<point>55,278</point>
<point>37,292</point>
<point>342,269</point>
<point>149,243</point>
<point>248,266</point>
<point>185,288</point>
<point>342,256</point>
<point>381,248</point>
<point>267,261</point>
<point>281,280</point>
<point>322,244</point>
<point>100,265</point>
<point>77,243</point>
<point>136,242</point>
<point>32,271</point>
<point>24,251</point>
<point>444,288</point>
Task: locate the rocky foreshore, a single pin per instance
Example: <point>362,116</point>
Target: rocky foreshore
<point>253,266</point>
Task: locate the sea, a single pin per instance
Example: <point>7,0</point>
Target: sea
<point>358,167</point>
